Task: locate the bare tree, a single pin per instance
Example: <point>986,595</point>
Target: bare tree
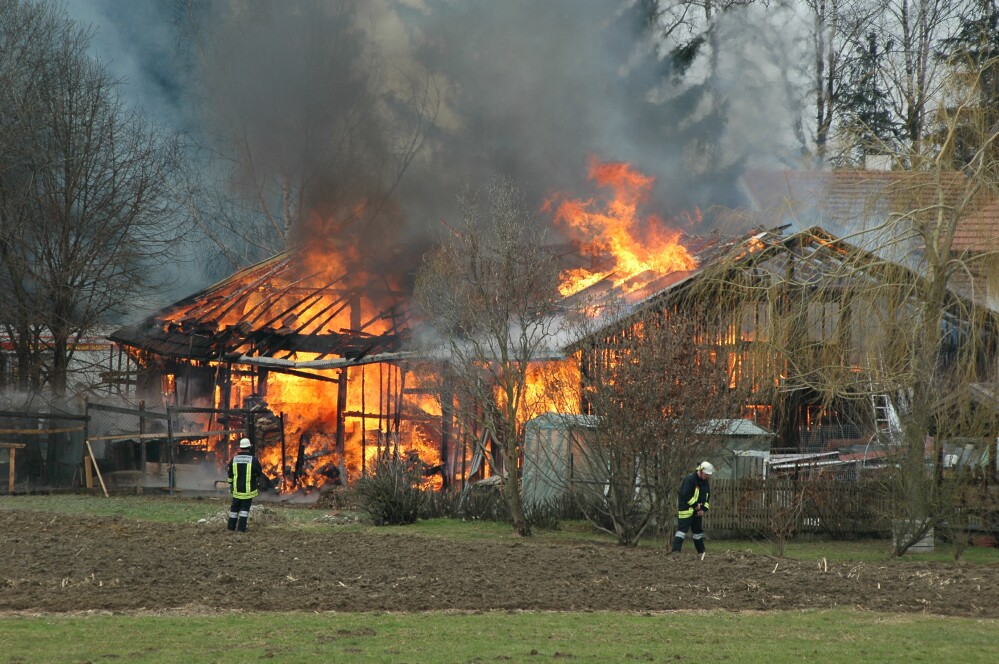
<point>85,194</point>
<point>490,291</point>
<point>836,28</point>
<point>916,329</point>
<point>913,75</point>
<point>661,397</point>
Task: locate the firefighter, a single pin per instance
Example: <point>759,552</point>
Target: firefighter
<point>692,503</point>
<point>244,480</point>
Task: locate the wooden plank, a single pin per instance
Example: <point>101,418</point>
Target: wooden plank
<point>13,447</point>
<point>97,470</point>
<point>43,416</point>
<point>39,432</point>
<point>202,409</point>
<point>137,412</point>
<point>163,435</point>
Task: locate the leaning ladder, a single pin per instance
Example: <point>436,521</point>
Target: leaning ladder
<point>886,418</point>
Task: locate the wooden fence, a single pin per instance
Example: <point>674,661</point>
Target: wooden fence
<point>822,505</point>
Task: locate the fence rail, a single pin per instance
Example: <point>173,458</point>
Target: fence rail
<point>180,448</point>
<point>822,505</point>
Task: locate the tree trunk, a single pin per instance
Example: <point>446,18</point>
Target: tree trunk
<point>510,458</point>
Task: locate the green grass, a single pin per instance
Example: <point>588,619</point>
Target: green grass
<point>825,636</point>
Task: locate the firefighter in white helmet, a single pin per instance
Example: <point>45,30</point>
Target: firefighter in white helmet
<point>693,501</point>
<point>244,475</point>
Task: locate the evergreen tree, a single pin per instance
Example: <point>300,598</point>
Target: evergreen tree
<point>974,50</point>
<point>868,120</point>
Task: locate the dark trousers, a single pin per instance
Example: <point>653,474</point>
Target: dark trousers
<point>239,513</point>
<point>693,524</point>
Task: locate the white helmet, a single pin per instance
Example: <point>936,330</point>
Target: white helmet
<point>245,443</point>
<point>706,468</point>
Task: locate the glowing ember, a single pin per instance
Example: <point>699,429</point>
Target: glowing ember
<point>635,244</point>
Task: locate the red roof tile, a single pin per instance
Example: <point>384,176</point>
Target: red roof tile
<point>851,197</point>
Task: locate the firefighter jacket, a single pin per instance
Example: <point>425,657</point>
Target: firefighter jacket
<point>244,476</point>
<point>693,492</point>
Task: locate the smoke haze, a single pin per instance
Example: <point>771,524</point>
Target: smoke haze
<point>323,93</point>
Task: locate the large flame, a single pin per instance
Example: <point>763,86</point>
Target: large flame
<point>616,230</point>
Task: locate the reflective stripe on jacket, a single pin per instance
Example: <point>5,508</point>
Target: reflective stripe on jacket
<point>693,490</point>
<point>244,476</point>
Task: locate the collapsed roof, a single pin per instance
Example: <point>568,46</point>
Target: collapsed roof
<point>271,309</point>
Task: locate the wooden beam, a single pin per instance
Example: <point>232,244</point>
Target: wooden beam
<point>96,468</point>
<point>305,374</point>
<point>39,432</point>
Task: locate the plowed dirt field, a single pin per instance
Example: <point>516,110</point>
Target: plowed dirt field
<point>64,563</point>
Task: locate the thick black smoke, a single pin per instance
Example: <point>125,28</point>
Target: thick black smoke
<point>322,93</point>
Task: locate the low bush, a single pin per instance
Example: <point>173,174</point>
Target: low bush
<point>390,495</point>
<point>440,504</point>
<point>485,502</point>
<point>548,514</point>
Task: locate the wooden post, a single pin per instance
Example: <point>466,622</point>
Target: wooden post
<point>341,406</point>
<point>13,447</point>
<point>171,469</point>
<point>88,472</point>
<point>10,473</point>
<point>284,458</point>
<point>142,441</point>
<point>447,419</point>
<point>364,429</point>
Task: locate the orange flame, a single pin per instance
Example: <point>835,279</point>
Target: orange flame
<point>635,244</point>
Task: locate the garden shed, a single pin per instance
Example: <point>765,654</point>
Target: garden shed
<point>745,448</point>
<point>555,456</point>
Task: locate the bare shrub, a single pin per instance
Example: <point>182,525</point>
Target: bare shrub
<point>781,519</point>
<point>391,494</point>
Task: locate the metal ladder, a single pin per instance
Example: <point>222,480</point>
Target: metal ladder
<point>886,418</point>
<point>882,411</point>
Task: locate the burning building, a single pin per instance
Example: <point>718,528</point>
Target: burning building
<point>317,360</point>
<point>320,356</point>
<point>809,324</point>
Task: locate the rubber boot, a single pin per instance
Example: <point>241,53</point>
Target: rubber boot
<point>699,545</point>
<point>677,544</point>
<point>231,525</point>
<point>241,524</point>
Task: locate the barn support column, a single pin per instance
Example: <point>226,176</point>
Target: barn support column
<point>225,388</point>
<point>341,405</point>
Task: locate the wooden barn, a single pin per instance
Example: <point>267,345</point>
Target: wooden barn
<point>317,355</point>
<point>817,325</point>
